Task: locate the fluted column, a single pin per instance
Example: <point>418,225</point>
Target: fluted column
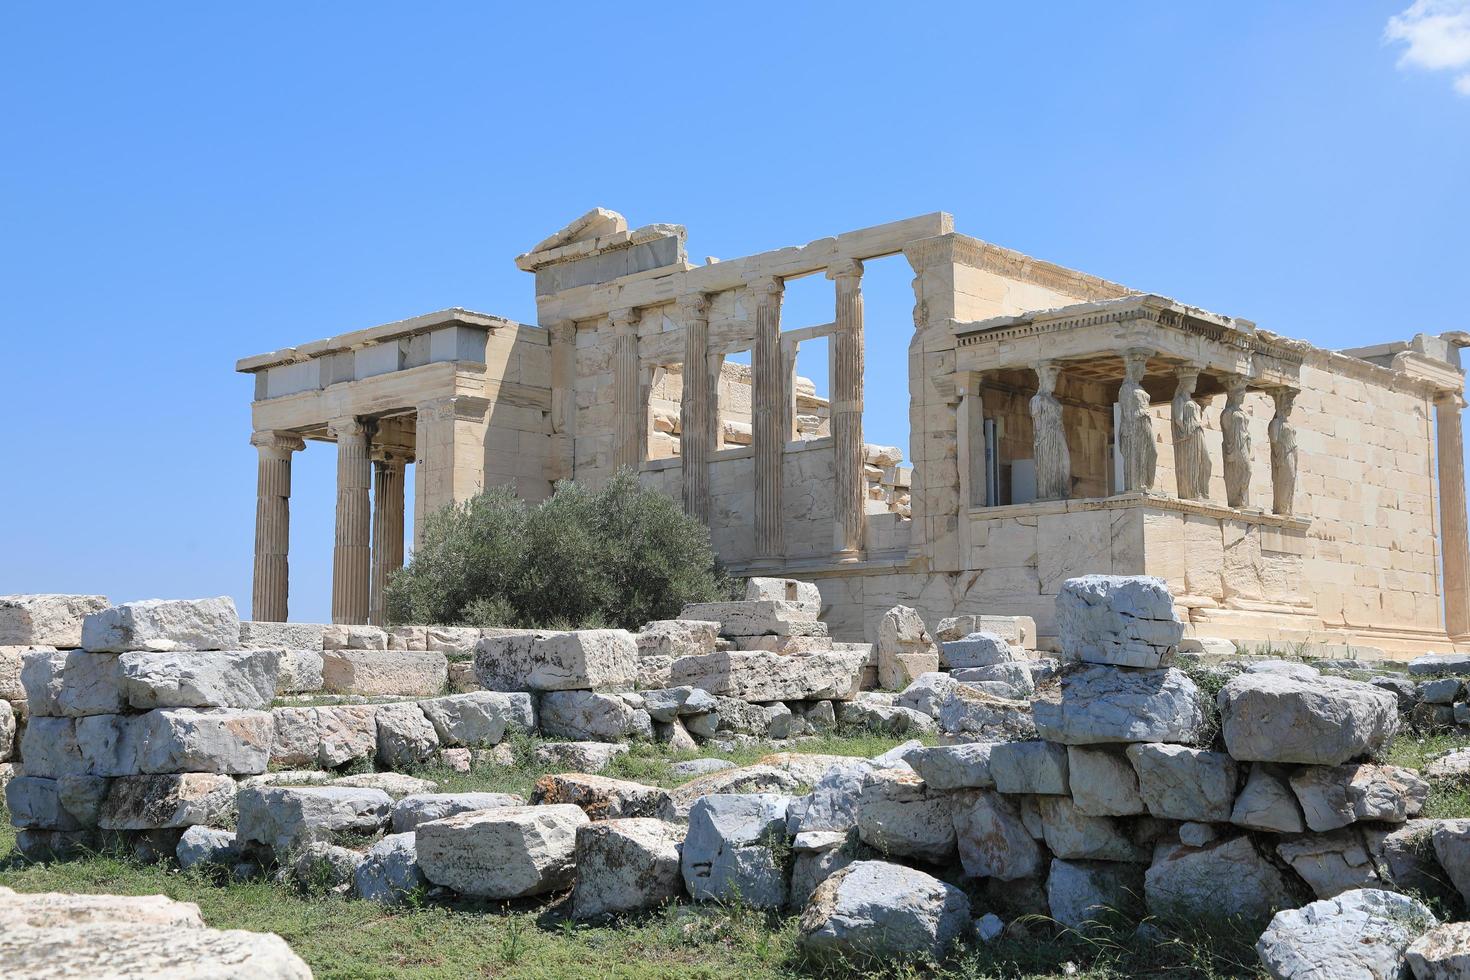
<point>1453,532</point>
<point>695,405</point>
<point>561,464</point>
<point>352,556</point>
<point>847,410</point>
<point>768,397</point>
<point>389,469</point>
<point>628,419</point>
<point>268,598</point>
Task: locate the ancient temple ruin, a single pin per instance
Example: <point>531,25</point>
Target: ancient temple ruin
<point>1059,425</point>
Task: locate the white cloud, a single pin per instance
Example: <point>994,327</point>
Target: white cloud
<point>1436,35</point>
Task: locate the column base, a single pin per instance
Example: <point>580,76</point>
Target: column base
<point>849,555</point>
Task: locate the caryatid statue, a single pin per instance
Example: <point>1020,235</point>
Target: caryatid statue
<point>1191,457</point>
<point>1283,452</point>
<point>1136,424</point>
<point>1236,444</point>
<point>1053,461</point>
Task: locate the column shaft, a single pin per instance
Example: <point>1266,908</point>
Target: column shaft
<point>768,395</point>
<point>847,411</point>
<point>1453,531</point>
<point>629,420</point>
<point>269,594</point>
<point>561,464</point>
<point>352,556</point>
<point>388,479</point>
<point>695,406</point>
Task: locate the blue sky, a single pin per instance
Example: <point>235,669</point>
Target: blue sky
<point>185,184</point>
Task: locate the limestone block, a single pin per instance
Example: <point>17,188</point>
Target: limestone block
<point>626,865</point>
<point>899,816</point>
<point>992,837</point>
<point>341,636</point>
<point>984,717</point>
<point>186,679</point>
<point>700,767</point>
<point>478,718</point>
<point>49,747</point>
<point>127,949</point>
<point>1267,803</point>
<point>926,692</point>
<point>578,756</point>
<point>1225,879</point>
<point>759,589</point>
<point>765,677</point>
<point>163,625</point>
<point>754,618</point>
<point>602,798</point>
<point>596,660</point>
<point>1440,663</point>
<point>218,740</point>
<point>11,658</point>
<point>1074,835</point>
<point>389,870</point>
<point>1331,863</point>
<point>1103,783</point>
<point>258,635</point>
<point>299,672</point>
<point>1335,796</point>
<point>1123,620</point>
<point>457,640</point>
<point>1442,953</point>
<point>207,845</point>
<point>588,716</point>
<point>1018,631</point>
<point>151,802</point>
<point>1326,721</point>
<point>71,683</point>
<point>1029,767</point>
<point>348,732</point>
<point>62,910</point>
<point>819,855</point>
<point>887,719</point>
<point>1441,690</point>
<point>295,737</point>
<point>419,808</point>
<point>1012,680</point>
<point>905,649</point>
<point>676,638</point>
<point>833,804</point>
<point>406,739</point>
<point>877,909</point>
<point>1103,704</point>
<point>395,784</point>
<point>375,672</point>
<point>653,672</point>
<point>1362,933</point>
<point>507,852</point>
<point>46,620</point>
<point>732,848</point>
<point>68,803</point>
<point>1179,783</point>
<point>7,731</point>
<point>1082,893</point>
<point>287,817</point>
<point>947,767</point>
<point>981,649</point>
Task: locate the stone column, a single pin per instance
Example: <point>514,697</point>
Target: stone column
<point>1453,533</point>
<point>847,411</point>
<point>1283,453</point>
<point>695,405</point>
<point>768,395</point>
<point>1136,424</point>
<point>268,598</point>
<point>1049,437</point>
<point>627,418</point>
<point>561,464</point>
<point>389,467</point>
<point>1235,441</point>
<point>352,556</point>
<point>1191,455</point>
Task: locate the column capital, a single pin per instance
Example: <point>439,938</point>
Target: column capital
<point>1449,401</point>
<point>271,440</point>
<point>764,285</point>
<point>1046,375</point>
<point>392,455</point>
<point>845,272</point>
<point>1237,384</point>
<point>562,331</point>
<point>349,426</point>
<point>1284,398</point>
<point>692,306</point>
<point>624,320</point>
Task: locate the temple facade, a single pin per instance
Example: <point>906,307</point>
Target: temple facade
<point>1060,424</point>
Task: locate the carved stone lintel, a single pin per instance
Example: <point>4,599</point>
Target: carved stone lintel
<point>1191,455</point>
<point>1136,424</point>
<point>1053,460</point>
<point>1236,443</point>
<point>1283,453</point>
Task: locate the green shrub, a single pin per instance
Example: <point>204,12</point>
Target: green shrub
<point>618,556</point>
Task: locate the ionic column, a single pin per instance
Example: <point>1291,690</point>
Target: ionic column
<point>695,405</point>
<point>389,466</point>
<point>1454,536</point>
<point>1235,442</point>
<point>768,397</point>
<point>560,465</point>
<point>628,421</point>
<point>268,598</point>
<point>351,557</point>
<point>1283,453</point>
<point>847,411</point>
<point>1049,437</point>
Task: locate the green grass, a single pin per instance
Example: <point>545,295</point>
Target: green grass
<point>1447,799</point>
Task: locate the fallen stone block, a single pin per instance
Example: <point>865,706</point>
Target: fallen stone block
<point>1228,879</point>
<point>580,660</point>
<point>11,658</point>
<point>406,739</point>
<point>742,780</point>
<point>1180,783</point>
<point>261,635</point>
<point>342,636</point>
<point>1405,857</point>
<point>885,719</point>
<point>1451,841</point>
<point>833,803</point>
<point>1012,680</point>
<point>1103,782</point>
<point>377,672</point>
<point>602,798</point>
<point>218,740</point>
<point>46,620</point>
<point>700,767</point>
<point>1442,953</point>
<point>1362,933</point>
<point>765,677</point>
<point>119,949</point>
<point>626,865</point>
<point>419,808</point>
<point>980,649</point>
<point>349,732</point>
<point>207,845</point>
<point>589,716</point>
<point>1018,631</point>
<point>734,849</point>
<point>1267,803</point>
<point>508,852</point>
<point>1335,796</point>
<point>985,717</point>
<point>877,909</point>
<point>1440,663</point>
<point>578,756</point>
<point>478,718</point>
<point>39,803</point>
<point>395,784</point>
<point>1076,836</point>
<point>1331,863</point>
<point>389,871</point>
<point>758,617</point>
<point>295,737</point>
<point>153,802</point>
<point>898,815</point>
<point>299,672</point>
<point>1103,704</point>
<point>1122,620</point>
<point>1082,893</point>
<point>675,638</point>
<point>163,625</point>
<point>1325,722</point>
<point>905,648</point>
<point>926,693</point>
<point>819,855</point>
<point>944,767</point>
<point>284,818</point>
<point>188,679</point>
<point>49,747</point>
<point>1029,767</point>
<point>759,589</point>
<point>71,683</point>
